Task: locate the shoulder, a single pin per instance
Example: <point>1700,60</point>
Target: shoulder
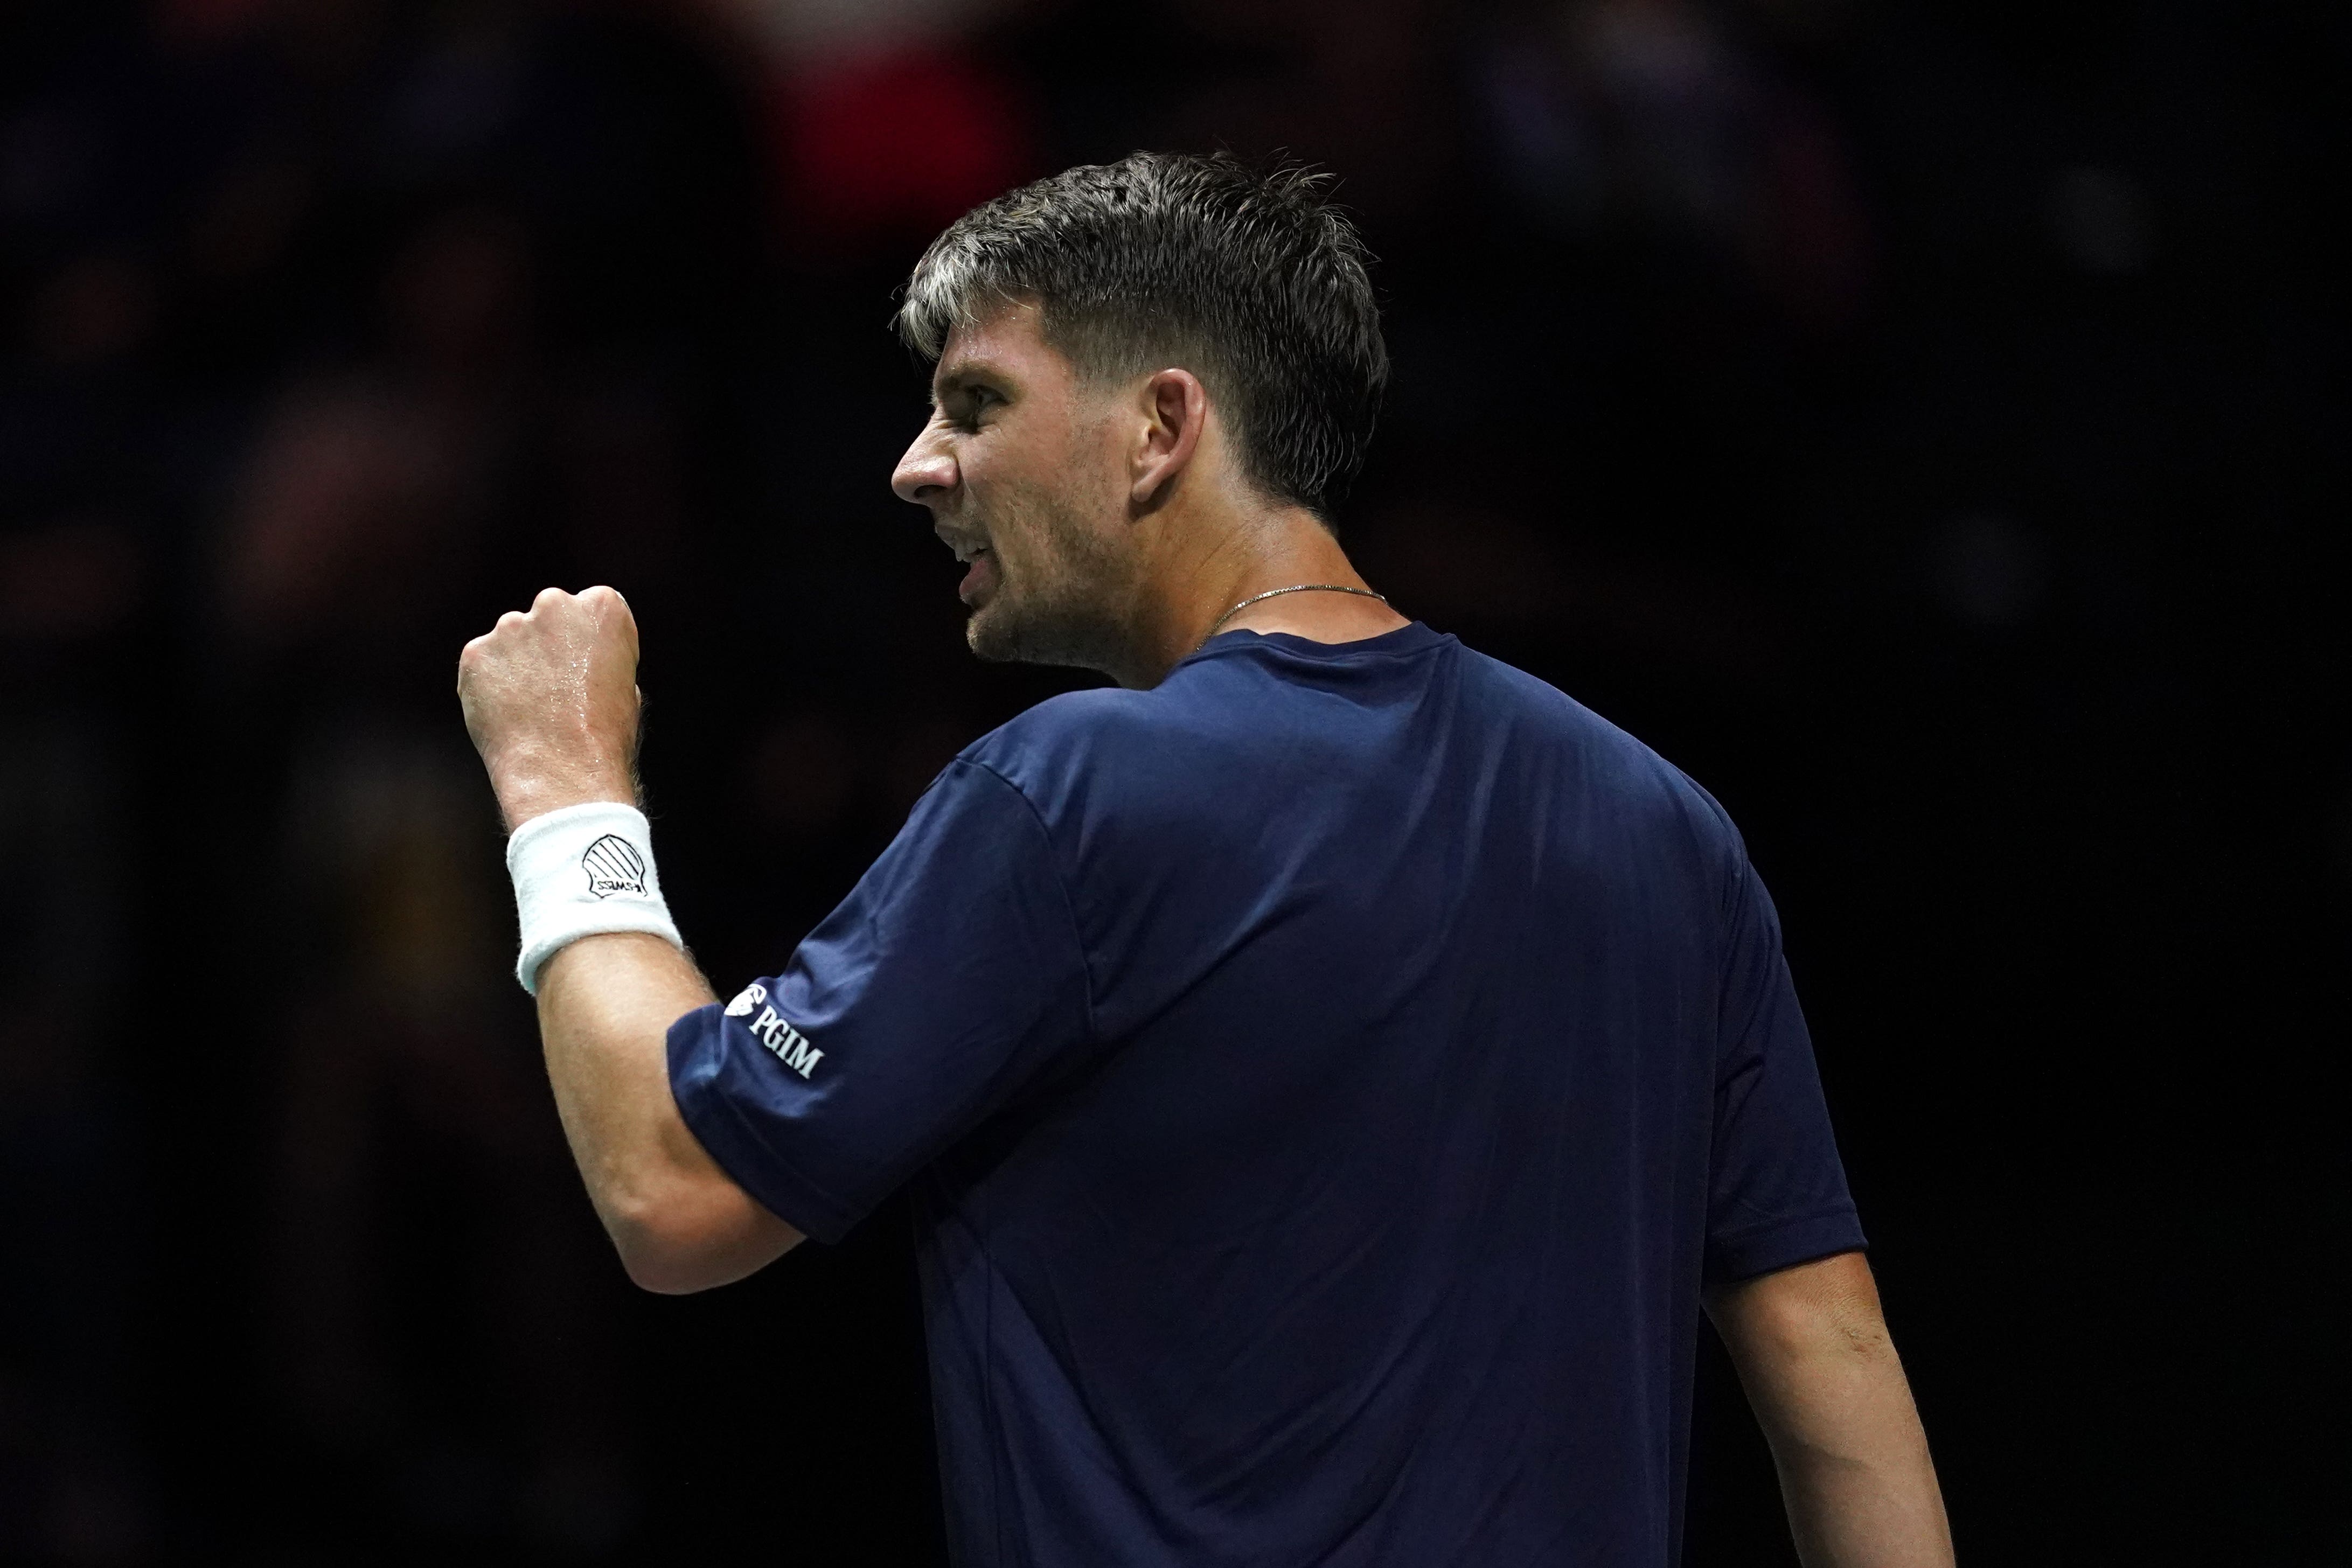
<point>1564,721</point>
<point>1612,766</point>
<point>1081,743</point>
<point>1226,730</point>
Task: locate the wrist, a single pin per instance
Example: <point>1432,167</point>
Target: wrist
<point>583,871</point>
<point>539,791</point>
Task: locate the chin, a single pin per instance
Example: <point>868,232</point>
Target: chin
<point>1072,642</point>
<point>988,635</point>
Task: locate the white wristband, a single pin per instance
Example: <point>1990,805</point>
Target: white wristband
<point>582,872</point>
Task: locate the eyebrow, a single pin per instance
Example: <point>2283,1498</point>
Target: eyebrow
<point>962,375</point>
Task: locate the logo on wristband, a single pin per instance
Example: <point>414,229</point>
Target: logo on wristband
<point>613,865</point>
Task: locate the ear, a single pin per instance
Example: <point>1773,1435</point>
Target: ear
<point>1175,406</point>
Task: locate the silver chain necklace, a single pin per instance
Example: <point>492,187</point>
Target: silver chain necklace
<point>1217,625</point>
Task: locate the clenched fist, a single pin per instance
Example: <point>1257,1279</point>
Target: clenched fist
<point>551,699</point>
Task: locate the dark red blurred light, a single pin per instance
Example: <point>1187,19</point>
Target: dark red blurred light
<point>884,147</point>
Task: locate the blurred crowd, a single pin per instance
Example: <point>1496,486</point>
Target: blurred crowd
<point>1769,373</point>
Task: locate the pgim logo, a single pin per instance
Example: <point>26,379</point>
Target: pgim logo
<point>789,1045</point>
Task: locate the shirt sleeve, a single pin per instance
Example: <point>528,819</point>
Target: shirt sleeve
<point>1777,1192</point>
<point>950,977</point>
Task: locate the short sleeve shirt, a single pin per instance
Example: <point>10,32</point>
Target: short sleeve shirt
<point>1325,1083</point>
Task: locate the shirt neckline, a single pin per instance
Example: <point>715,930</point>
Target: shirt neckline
<point>1411,637</point>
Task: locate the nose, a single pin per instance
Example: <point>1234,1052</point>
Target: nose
<point>928,469</point>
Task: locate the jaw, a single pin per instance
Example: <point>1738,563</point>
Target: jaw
<point>1063,624</point>
<point>1055,581</point>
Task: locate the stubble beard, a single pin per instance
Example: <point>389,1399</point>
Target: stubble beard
<point>1063,604</point>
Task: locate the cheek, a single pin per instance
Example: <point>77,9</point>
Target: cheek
<point>995,483</point>
<point>1046,446</point>
<point>1017,532</point>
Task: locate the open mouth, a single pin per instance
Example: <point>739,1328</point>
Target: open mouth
<point>982,578</point>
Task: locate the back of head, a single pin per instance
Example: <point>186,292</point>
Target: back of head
<point>1249,279</point>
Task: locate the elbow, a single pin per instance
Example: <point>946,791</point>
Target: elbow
<point>658,1263</point>
<point>662,1251</point>
<point>676,1243</point>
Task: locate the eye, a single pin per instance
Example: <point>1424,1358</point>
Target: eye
<point>962,403</point>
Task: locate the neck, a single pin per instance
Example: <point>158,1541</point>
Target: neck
<point>1203,564</point>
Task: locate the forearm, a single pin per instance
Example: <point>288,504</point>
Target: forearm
<point>1815,1358</point>
<point>606,1005</point>
<point>1858,1486</point>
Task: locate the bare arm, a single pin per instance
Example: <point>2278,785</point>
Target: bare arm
<point>681,1223</point>
<point>551,699</point>
<point>1813,1354</point>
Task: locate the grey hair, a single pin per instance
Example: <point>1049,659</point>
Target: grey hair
<point>1248,277</point>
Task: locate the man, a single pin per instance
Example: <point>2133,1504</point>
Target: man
<point>1331,1066</point>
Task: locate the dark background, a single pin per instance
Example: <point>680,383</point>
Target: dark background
<point>1907,417</point>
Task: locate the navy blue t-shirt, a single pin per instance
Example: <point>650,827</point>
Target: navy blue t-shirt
<point>1325,1082</point>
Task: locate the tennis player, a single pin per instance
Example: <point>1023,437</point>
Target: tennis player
<point>1332,1068</point>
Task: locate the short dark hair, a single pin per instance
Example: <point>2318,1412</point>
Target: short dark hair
<point>1249,278</point>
